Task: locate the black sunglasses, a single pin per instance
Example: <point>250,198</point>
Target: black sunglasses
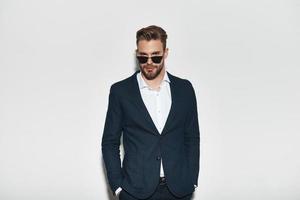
<point>144,59</point>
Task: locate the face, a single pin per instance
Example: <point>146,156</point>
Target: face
<point>151,48</point>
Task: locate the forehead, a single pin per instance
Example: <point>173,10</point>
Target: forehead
<point>150,46</point>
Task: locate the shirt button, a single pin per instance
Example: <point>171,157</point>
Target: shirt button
<point>158,158</point>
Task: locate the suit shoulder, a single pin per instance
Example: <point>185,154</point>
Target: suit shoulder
<point>119,86</point>
<point>182,81</point>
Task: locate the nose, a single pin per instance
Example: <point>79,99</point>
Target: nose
<point>149,61</point>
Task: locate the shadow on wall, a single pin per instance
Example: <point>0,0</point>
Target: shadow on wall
<point>108,190</point>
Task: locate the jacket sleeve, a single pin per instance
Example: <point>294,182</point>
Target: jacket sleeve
<point>111,141</point>
<point>192,136</point>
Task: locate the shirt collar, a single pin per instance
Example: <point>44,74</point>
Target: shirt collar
<point>143,84</point>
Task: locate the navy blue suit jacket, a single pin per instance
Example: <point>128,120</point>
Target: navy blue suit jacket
<point>144,146</point>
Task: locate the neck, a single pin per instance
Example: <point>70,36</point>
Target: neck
<point>155,83</point>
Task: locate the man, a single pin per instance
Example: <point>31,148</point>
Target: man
<point>157,114</point>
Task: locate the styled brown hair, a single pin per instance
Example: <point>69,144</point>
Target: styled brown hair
<point>152,33</point>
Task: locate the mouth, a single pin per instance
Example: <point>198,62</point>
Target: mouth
<point>149,69</point>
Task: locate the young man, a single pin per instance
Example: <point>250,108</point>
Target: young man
<point>157,114</point>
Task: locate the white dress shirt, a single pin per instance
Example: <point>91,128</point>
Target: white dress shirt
<point>158,103</point>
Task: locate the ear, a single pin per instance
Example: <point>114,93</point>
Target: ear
<point>166,53</point>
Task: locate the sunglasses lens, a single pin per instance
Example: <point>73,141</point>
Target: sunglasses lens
<point>156,59</point>
<point>142,59</point>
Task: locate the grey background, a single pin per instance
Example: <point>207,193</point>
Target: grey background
<point>58,59</point>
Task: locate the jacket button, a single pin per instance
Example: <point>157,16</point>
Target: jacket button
<point>158,158</point>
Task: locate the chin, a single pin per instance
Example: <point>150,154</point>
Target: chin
<point>157,70</point>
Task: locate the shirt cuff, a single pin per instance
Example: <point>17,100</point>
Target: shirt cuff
<point>117,192</point>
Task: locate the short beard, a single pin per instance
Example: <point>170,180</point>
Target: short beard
<point>152,76</point>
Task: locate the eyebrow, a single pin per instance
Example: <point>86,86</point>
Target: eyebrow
<point>156,52</point>
<point>153,53</point>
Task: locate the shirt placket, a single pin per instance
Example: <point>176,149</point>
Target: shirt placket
<point>159,110</point>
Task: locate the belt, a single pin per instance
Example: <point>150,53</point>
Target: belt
<point>162,180</point>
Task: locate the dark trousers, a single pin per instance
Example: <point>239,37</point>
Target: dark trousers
<point>161,193</point>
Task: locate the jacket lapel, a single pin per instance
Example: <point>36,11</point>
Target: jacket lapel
<point>172,113</point>
<point>137,97</point>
